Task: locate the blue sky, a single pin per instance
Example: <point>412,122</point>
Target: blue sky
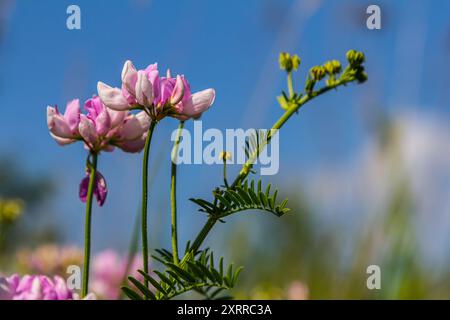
<point>231,46</point>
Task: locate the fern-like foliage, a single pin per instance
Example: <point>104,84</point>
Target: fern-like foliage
<point>197,273</point>
<point>247,196</point>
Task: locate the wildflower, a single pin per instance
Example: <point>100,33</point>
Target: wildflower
<point>36,287</point>
<point>100,188</point>
<point>101,129</point>
<point>49,259</point>
<point>158,96</point>
<point>108,271</point>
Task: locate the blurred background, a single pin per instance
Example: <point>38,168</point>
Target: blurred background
<point>366,168</point>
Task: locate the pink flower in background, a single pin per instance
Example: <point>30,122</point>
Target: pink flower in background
<point>297,291</point>
<point>108,273</point>
<point>159,96</point>
<point>100,189</point>
<point>101,128</point>
<point>36,287</point>
<point>49,259</point>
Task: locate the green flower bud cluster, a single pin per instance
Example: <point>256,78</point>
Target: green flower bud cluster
<point>288,62</point>
<point>317,73</point>
<point>355,69</point>
<point>332,67</point>
<point>355,58</point>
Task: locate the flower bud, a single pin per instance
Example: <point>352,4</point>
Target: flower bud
<point>225,155</point>
<point>317,73</point>
<point>355,58</point>
<point>332,67</point>
<point>288,62</point>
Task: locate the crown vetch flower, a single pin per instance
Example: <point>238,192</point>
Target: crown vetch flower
<point>36,287</point>
<point>101,128</point>
<point>159,96</point>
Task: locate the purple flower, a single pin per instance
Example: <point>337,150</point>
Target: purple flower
<point>100,188</point>
<point>160,96</point>
<point>36,287</point>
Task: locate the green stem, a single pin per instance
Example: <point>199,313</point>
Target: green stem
<point>145,197</point>
<point>249,163</point>
<point>134,244</point>
<point>173,194</point>
<point>92,165</point>
<point>290,85</point>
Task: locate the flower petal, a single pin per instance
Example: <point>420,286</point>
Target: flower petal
<point>199,103</point>
<point>72,114</point>
<point>112,97</point>
<point>129,77</point>
<point>62,141</point>
<point>57,124</point>
<point>178,91</point>
<point>144,120</point>
<point>144,89</point>
<point>132,146</point>
<point>103,122</point>
<point>131,129</point>
<point>100,188</point>
<point>87,130</point>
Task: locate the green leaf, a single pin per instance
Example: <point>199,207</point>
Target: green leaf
<point>131,294</point>
<point>146,291</point>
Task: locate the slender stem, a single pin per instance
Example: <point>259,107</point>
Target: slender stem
<point>92,165</point>
<point>145,197</point>
<point>134,244</point>
<point>173,192</point>
<point>290,85</point>
<point>225,181</point>
<point>249,163</point>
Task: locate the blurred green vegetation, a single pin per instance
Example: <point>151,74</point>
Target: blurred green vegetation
<point>331,260</point>
<point>28,225</point>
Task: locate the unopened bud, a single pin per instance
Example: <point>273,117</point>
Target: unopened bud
<point>225,155</point>
<point>317,73</point>
<point>288,62</point>
<point>332,67</point>
<point>355,58</point>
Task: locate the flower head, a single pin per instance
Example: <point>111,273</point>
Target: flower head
<point>101,129</point>
<point>158,96</point>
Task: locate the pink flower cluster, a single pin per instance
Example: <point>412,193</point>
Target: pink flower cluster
<point>101,129</point>
<point>158,96</point>
<point>108,122</point>
<point>37,287</point>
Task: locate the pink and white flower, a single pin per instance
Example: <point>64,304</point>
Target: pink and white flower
<point>37,287</point>
<point>158,96</point>
<point>101,129</point>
